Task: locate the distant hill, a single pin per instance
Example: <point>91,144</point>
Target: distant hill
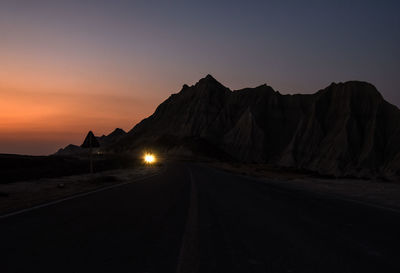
<point>104,141</point>
<point>346,129</point>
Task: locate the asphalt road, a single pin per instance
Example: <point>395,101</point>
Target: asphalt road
<point>191,218</point>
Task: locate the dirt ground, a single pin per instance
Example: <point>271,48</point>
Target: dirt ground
<point>24,194</point>
<point>375,192</point>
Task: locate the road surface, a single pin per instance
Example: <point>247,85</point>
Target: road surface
<point>192,218</point>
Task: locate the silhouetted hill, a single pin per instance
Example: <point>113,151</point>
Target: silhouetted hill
<point>346,129</point>
<point>69,150</point>
<point>104,141</point>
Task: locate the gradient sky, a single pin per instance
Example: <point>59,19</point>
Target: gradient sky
<point>71,66</point>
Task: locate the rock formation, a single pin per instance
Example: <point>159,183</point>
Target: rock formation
<point>346,129</point>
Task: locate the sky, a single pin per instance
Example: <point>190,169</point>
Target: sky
<point>71,66</point>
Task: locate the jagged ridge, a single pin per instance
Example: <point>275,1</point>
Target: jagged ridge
<point>344,129</point>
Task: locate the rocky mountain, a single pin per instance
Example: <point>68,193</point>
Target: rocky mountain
<point>104,141</point>
<point>346,129</point>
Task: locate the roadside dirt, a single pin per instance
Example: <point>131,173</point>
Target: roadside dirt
<point>24,194</point>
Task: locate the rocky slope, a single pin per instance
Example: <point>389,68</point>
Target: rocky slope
<point>344,129</point>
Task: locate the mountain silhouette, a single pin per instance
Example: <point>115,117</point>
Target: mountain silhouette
<point>346,129</point>
<point>104,141</point>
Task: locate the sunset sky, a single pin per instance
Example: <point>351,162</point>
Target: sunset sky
<point>72,66</point>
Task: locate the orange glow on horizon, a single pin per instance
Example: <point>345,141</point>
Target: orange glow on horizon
<point>39,122</point>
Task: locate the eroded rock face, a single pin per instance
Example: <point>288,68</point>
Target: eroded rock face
<point>346,132</point>
<point>344,129</point>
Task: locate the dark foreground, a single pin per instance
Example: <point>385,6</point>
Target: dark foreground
<point>15,168</point>
<point>195,219</point>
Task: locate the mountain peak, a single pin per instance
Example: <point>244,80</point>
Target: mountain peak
<point>90,141</point>
<point>209,79</point>
<point>118,131</point>
<point>210,83</point>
